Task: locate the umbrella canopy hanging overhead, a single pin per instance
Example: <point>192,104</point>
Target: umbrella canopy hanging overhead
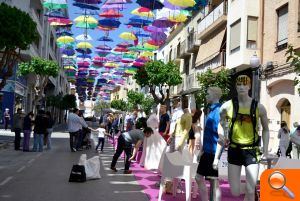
<point>119,7</point>
<point>111,13</point>
<point>55,13</point>
<point>55,4</point>
<point>87,19</point>
<point>105,39</point>
<point>143,12</point>
<point>88,1</point>
<point>69,52</point>
<point>84,37</point>
<point>116,2</point>
<point>85,25</point>
<point>183,3</point>
<point>84,45</point>
<point>154,29</point>
<point>84,51</point>
<point>110,23</point>
<point>86,6</point>
<point>124,45</point>
<point>103,47</point>
<point>127,36</point>
<point>65,39</point>
<point>151,4</point>
<point>163,23</point>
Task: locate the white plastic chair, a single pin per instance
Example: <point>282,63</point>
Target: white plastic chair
<point>286,163</point>
<point>174,166</point>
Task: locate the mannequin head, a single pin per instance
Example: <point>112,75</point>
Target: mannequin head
<point>213,94</point>
<point>243,84</point>
<point>176,103</point>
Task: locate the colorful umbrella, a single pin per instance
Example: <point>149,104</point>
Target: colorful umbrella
<point>105,39</point>
<point>110,23</point>
<point>127,36</point>
<point>55,13</point>
<point>88,1</point>
<point>65,39</point>
<point>154,29</point>
<point>183,3</point>
<point>119,49</point>
<point>163,23</point>
<point>86,19</point>
<point>151,4</point>
<point>104,47</point>
<point>84,45</point>
<point>84,37</point>
<point>143,12</point>
<point>86,6</point>
<point>55,4</point>
<point>124,45</point>
<point>111,13</point>
<point>84,51</point>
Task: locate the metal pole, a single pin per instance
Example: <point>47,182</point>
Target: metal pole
<point>253,88</point>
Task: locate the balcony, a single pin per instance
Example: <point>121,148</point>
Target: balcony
<point>214,61</point>
<point>212,21</point>
<point>183,50</point>
<point>192,83</point>
<point>38,18</point>
<point>180,88</point>
<point>193,43</point>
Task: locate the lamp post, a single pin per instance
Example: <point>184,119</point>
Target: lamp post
<point>255,64</point>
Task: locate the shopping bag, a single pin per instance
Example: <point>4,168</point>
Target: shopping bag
<point>77,174</point>
<point>92,168</point>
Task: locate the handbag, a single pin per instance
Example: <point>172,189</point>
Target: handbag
<point>77,174</point>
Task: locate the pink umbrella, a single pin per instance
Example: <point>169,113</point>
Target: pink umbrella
<point>111,13</point>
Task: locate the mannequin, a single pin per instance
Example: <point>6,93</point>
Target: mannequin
<point>210,140</point>
<point>243,149</point>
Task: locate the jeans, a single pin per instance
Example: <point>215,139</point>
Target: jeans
<point>17,138</point>
<point>122,146</point>
<point>79,139</point>
<point>26,140</point>
<point>100,141</point>
<point>296,151</point>
<point>38,142</point>
<point>73,136</point>
<point>49,144</point>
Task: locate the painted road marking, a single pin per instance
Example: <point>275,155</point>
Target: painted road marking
<point>5,181</point>
<point>31,160</point>
<point>21,169</point>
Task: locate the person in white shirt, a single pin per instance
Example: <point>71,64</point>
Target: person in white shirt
<point>101,134</point>
<point>284,138</point>
<point>75,124</point>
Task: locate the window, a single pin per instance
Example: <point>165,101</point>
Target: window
<point>252,33</point>
<point>282,28</point>
<point>235,36</point>
<point>170,55</point>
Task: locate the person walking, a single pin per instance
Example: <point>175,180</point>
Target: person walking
<point>75,124</point>
<point>27,127</point>
<point>49,129</point>
<point>17,127</point>
<point>101,134</point>
<point>164,122</point>
<point>40,129</point>
<point>6,118</point>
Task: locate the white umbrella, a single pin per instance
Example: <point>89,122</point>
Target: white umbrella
<point>84,37</point>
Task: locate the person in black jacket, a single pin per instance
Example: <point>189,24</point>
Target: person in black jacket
<point>40,129</point>
<point>27,126</point>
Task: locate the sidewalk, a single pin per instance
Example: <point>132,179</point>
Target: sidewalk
<point>6,138</point>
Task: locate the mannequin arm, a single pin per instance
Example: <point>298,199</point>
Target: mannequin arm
<point>265,129</point>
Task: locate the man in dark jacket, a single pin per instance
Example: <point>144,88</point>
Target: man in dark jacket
<point>40,129</point>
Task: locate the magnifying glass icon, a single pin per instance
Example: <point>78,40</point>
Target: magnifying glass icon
<point>277,181</point>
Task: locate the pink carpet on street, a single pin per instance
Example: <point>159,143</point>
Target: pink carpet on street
<point>148,181</point>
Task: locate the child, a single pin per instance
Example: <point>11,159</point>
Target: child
<point>101,133</point>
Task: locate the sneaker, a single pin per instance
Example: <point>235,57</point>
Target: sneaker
<point>127,171</point>
<point>114,169</point>
<point>73,150</point>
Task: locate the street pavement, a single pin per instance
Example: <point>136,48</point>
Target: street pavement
<point>43,176</point>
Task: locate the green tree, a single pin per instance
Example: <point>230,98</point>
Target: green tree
<point>147,104</point>
<point>293,56</point>
<point>161,76</point>
<point>17,32</point>
<point>118,105</point>
<point>134,98</point>
<point>43,69</point>
<point>68,101</point>
<point>209,79</point>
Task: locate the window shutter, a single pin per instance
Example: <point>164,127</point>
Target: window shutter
<point>282,25</point>
<point>235,35</point>
<point>252,28</point>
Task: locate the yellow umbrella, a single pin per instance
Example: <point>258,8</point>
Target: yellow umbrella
<point>86,19</point>
<point>142,14</point>
<point>65,39</point>
<point>183,3</point>
<point>84,45</point>
<point>147,45</point>
<point>147,54</point>
<point>58,24</point>
<point>178,18</point>
<point>69,68</point>
<point>127,36</point>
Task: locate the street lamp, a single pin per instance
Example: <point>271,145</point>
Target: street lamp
<point>255,64</point>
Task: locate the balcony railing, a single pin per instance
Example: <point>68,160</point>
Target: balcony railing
<point>214,61</point>
<point>183,53</point>
<point>212,17</point>
<point>193,43</point>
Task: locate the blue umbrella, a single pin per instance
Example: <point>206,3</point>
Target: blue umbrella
<point>55,13</point>
<point>68,51</point>
<point>64,33</point>
<point>84,56</point>
<point>139,19</point>
<point>142,35</point>
<point>105,39</point>
<point>86,6</point>
<point>84,51</point>
<point>111,23</point>
<point>88,1</point>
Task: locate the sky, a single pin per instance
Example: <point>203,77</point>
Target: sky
<point>96,33</point>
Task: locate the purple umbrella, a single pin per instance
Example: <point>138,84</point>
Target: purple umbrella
<point>124,45</point>
<point>103,47</point>
<point>163,23</point>
<point>69,52</point>
<point>113,6</point>
<point>154,29</point>
<point>167,4</point>
<point>159,36</point>
<point>115,2</point>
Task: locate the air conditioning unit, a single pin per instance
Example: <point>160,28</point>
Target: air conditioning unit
<point>269,66</point>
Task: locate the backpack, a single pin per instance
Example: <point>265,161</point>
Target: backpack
<point>235,110</point>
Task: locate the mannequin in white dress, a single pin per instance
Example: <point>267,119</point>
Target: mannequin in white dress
<point>153,146</point>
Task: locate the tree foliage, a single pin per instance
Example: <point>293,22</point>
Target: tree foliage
<point>293,56</point>
<point>17,32</point>
<point>161,76</point>
<point>118,105</point>
<point>100,105</point>
<point>135,98</point>
<point>39,66</point>
<point>147,104</point>
<point>68,101</point>
<point>209,79</point>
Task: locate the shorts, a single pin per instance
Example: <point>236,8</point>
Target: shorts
<point>245,157</point>
<point>205,167</point>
